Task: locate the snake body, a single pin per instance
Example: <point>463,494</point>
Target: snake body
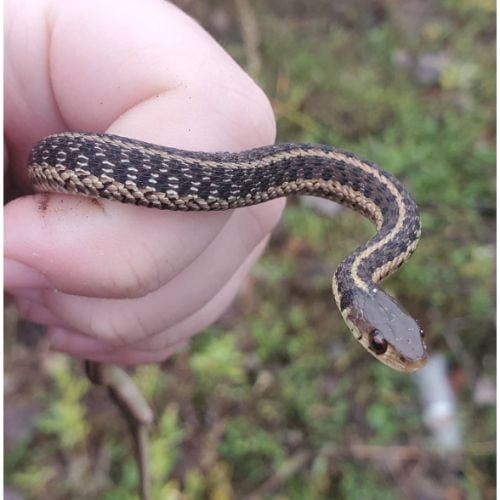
<point>132,171</point>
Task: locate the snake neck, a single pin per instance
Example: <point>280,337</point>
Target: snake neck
<point>381,256</point>
<point>381,325</point>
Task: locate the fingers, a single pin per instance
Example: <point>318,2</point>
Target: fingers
<point>164,343</point>
<point>126,320</point>
<point>102,249</point>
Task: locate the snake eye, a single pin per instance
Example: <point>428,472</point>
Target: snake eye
<point>378,344</point>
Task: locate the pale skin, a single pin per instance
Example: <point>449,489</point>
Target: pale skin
<point>112,282</point>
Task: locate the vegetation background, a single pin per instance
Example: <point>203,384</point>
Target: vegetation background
<point>276,400</point>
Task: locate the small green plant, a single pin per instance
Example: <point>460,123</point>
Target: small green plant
<point>66,415</point>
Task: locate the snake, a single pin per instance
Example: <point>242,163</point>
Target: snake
<point>128,170</point>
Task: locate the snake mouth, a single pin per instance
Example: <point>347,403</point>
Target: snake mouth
<point>404,364</point>
<point>416,364</point>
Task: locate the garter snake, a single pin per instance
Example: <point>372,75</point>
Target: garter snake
<point>132,171</point>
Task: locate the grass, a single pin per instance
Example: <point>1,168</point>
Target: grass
<point>283,403</point>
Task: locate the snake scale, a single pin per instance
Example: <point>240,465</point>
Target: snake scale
<point>132,171</point>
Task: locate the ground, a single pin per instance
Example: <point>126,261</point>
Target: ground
<point>276,400</point>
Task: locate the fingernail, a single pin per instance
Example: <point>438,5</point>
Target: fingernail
<point>19,275</point>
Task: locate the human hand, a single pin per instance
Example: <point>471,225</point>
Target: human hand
<point>113,282</point>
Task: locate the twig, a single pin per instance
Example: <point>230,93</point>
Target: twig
<point>251,37</point>
<point>129,400</point>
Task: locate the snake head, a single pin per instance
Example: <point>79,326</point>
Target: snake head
<point>385,330</point>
